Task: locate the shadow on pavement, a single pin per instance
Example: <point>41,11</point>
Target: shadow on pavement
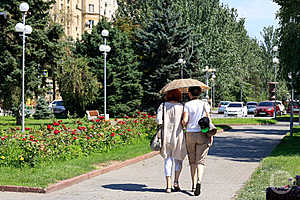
<point>132,187</point>
<point>138,188</point>
<point>245,149</point>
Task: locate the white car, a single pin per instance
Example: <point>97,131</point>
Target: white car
<point>236,109</point>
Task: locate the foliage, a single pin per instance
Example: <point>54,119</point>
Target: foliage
<point>124,90</point>
<point>161,40</point>
<point>78,86</point>
<point>42,47</point>
<point>289,49</point>
<point>56,141</point>
<point>42,110</point>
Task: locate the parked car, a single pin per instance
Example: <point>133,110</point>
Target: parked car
<point>296,107</point>
<point>222,106</point>
<point>235,109</point>
<point>265,108</point>
<point>251,107</point>
<point>280,109</point>
<point>58,107</point>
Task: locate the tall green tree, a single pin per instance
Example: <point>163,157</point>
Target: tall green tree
<point>289,49</point>
<point>124,90</point>
<point>41,46</point>
<point>161,40</point>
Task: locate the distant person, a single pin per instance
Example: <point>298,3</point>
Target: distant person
<point>197,141</point>
<point>174,147</point>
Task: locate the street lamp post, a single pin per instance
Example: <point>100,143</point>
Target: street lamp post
<point>213,76</point>
<point>207,70</point>
<point>105,48</point>
<point>292,105</point>
<point>276,62</point>
<point>24,29</point>
<point>181,62</point>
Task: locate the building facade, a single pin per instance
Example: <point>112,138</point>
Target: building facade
<point>78,16</point>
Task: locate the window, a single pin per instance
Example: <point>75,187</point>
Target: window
<point>91,8</point>
<point>91,24</point>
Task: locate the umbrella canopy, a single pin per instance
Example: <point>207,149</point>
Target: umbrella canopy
<point>183,84</point>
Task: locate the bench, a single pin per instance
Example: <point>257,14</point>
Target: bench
<point>92,114</point>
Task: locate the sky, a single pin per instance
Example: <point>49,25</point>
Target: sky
<point>257,13</point>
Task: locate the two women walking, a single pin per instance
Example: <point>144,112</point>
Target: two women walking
<point>178,143</point>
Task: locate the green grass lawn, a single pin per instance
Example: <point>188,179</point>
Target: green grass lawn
<point>7,122</point>
<point>283,162</point>
<point>228,121</point>
<point>49,173</point>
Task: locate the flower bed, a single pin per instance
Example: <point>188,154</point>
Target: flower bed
<point>56,141</point>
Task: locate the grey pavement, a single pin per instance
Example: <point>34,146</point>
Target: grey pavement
<point>232,159</point>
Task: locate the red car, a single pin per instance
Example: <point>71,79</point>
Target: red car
<point>265,108</point>
<point>296,107</point>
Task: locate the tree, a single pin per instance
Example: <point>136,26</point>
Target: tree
<point>161,40</point>
<point>124,90</point>
<point>289,49</point>
<point>39,48</point>
<point>42,110</point>
<point>78,86</point>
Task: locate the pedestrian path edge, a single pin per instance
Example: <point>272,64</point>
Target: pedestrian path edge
<point>68,182</point>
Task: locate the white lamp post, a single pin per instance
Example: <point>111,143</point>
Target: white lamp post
<point>213,76</point>
<point>181,62</point>
<point>24,29</point>
<point>276,62</point>
<point>292,104</point>
<point>105,48</point>
<point>207,70</point>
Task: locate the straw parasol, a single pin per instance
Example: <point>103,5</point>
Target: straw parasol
<point>183,84</point>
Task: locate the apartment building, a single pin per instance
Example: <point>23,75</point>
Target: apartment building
<point>78,16</point>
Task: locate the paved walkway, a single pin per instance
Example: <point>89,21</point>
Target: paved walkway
<point>232,159</point>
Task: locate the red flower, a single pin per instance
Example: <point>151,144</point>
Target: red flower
<point>17,128</point>
<point>73,133</point>
<point>60,121</point>
<point>97,120</point>
<point>24,139</point>
<point>27,129</point>
<point>136,121</point>
<point>92,127</point>
<point>124,131</point>
<point>3,138</point>
<point>49,126</point>
<point>138,112</point>
<point>74,138</point>
<point>129,130</point>
<point>112,134</point>
<point>88,138</point>
<point>56,132</point>
<point>101,117</point>
<point>145,115</point>
<point>31,140</point>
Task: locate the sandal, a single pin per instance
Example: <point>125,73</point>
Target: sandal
<point>168,190</point>
<point>176,187</point>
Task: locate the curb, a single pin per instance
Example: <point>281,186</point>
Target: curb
<point>68,182</point>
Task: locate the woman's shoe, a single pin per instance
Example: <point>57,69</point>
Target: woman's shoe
<point>168,190</point>
<point>198,189</point>
<point>193,189</point>
<point>176,187</point>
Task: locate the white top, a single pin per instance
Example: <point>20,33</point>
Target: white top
<point>195,109</point>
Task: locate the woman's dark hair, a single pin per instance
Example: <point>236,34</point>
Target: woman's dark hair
<point>173,95</point>
<point>195,91</point>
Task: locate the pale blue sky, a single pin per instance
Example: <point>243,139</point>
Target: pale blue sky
<point>257,13</point>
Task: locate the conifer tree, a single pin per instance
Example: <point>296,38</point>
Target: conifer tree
<point>42,111</point>
<point>124,90</point>
<point>161,41</point>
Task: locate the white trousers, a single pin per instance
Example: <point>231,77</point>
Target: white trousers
<point>168,165</point>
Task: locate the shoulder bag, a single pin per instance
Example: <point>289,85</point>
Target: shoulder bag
<point>156,140</point>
